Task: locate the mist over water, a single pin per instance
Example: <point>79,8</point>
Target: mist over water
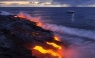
<point>78,29</point>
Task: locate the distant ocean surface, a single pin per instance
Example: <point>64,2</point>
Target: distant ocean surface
<point>84,18</point>
<point>77,29</point>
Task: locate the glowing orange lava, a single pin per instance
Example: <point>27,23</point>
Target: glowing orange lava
<point>15,16</point>
<point>39,24</point>
<point>56,38</point>
<point>21,15</point>
<point>54,45</point>
<point>42,50</point>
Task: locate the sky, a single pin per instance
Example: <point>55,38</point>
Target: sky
<point>47,3</point>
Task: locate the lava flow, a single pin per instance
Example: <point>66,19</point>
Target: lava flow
<point>38,22</point>
<point>40,42</point>
<point>52,52</point>
<point>42,50</point>
<point>54,45</point>
<point>21,15</point>
<point>56,38</point>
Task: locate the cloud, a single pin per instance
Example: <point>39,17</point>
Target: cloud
<point>75,2</point>
<point>14,0</point>
<point>26,0</point>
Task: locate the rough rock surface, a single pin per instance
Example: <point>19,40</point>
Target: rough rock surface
<point>16,34</point>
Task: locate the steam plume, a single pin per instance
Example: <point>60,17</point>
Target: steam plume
<point>61,29</point>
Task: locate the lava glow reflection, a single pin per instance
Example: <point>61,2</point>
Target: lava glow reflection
<point>44,51</point>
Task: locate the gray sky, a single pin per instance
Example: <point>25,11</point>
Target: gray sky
<point>76,2</point>
<point>52,3</point>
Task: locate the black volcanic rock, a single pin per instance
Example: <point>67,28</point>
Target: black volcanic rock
<point>17,34</point>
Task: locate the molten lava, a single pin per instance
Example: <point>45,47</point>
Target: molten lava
<point>21,15</point>
<point>54,45</point>
<point>42,50</point>
<point>56,38</point>
<point>15,16</point>
<point>39,24</point>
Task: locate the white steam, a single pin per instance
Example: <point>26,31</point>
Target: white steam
<point>29,17</point>
<point>4,13</point>
<point>70,31</point>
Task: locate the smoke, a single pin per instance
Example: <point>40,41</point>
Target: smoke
<point>70,31</point>
<point>4,13</point>
<point>25,15</point>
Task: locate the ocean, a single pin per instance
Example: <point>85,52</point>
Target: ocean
<point>77,29</point>
<point>84,18</point>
